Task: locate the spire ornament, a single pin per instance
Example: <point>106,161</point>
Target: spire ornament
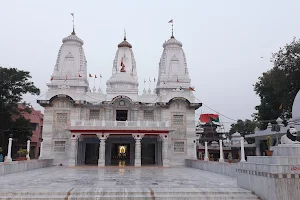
<point>73,21</point>
<point>171,21</point>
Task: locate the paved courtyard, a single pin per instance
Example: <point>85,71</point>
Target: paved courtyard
<point>58,177</point>
<point>120,183</point>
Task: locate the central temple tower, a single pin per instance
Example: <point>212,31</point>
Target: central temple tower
<point>124,79</point>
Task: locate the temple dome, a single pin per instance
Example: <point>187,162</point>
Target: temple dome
<point>296,108</point>
<point>125,44</point>
<point>72,38</point>
<point>122,78</point>
<point>171,42</point>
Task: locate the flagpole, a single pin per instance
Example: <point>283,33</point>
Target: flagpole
<point>94,82</point>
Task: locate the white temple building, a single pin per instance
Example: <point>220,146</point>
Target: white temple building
<point>84,126</point>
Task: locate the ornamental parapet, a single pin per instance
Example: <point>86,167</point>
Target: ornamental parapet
<point>121,125</point>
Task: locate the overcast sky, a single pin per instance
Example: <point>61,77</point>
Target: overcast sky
<point>223,41</point>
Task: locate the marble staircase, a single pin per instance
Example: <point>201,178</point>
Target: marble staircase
<point>118,193</point>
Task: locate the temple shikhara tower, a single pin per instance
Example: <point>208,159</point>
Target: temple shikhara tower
<point>86,126</point>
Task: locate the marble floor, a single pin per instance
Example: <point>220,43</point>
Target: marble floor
<point>119,183</point>
<point>94,177</point>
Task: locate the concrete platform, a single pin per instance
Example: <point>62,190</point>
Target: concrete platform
<point>120,183</point>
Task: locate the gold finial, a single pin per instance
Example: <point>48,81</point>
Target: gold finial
<point>124,34</point>
<point>73,32</point>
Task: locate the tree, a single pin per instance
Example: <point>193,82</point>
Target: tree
<point>243,127</point>
<point>278,87</point>
<point>14,84</point>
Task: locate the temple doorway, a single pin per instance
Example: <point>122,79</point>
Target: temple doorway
<point>120,154</point>
<point>91,153</point>
<point>148,154</point>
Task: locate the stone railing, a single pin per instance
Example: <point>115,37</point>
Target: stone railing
<point>20,166</point>
<point>227,169</point>
<point>103,123</point>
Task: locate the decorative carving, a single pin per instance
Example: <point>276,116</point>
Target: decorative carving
<point>64,86</point>
<point>290,137</point>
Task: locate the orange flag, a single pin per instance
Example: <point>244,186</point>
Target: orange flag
<point>90,75</point>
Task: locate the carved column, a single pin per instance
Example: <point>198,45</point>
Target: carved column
<point>102,138</point>
<point>41,150</point>
<point>206,152</point>
<point>165,156</point>
<point>221,152</point>
<point>73,150</point>
<point>107,114</point>
<point>135,115</point>
<point>242,150</point>
<point>28,150</point>
<point>8,157</point>
<point>137,158</point>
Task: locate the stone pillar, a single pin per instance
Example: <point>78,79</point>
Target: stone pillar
<point>206,153</point>
<point>8,157</point>
<point>137,158</point>
<point>135,115</point>
<point>28,150</point>
<point>221,152</point>
<point>73,150</point>
<point>41,150</point>
<point>257,147</point>
<point>165,156</point>
<point>107,114</point>
<point>102,138</point>
<point>242,150</point>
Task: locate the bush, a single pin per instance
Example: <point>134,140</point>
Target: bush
<point>22,152</point>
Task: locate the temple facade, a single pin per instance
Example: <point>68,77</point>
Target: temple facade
<point>86,126</point>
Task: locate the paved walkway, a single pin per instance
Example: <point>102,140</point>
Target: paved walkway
<point>93,177</point>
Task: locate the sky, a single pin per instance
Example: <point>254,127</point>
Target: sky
<point>228,44</point>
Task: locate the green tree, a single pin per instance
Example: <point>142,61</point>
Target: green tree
<point>14,84</point>
<point>279,86</point>
<point>244,128</point>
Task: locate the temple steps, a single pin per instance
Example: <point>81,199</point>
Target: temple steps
<point>118,193</point>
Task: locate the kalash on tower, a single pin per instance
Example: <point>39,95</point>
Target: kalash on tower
<point>121,127</point>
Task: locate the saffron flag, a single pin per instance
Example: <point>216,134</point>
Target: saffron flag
<point>95,76</point>
<point>191,88</point>
<point>79,75</point>
<point>171,21</point>
<point>209,118</point>
<point>51,78</point>
<point>90,75</point>
<point>280,107</point>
